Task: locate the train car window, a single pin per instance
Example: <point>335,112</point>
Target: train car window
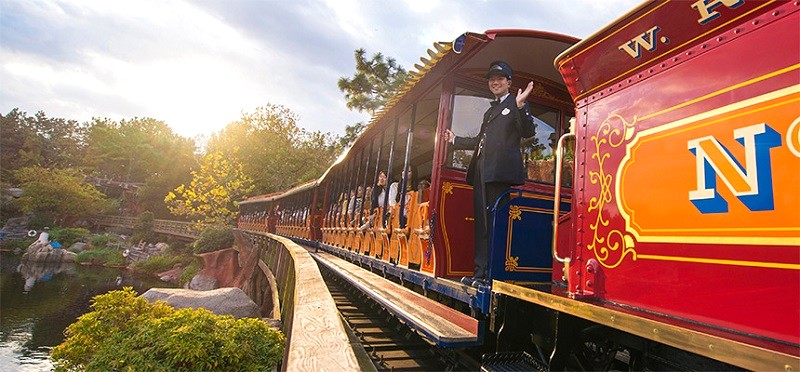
<point>468,108</point>
<point>538,151</point>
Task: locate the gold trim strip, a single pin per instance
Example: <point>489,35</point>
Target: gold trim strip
<point>715,347</point>
<point>771,265</point>
<point>721,91</point>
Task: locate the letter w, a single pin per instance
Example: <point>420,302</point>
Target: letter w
<point>646,40</point>
<point>751,184</point>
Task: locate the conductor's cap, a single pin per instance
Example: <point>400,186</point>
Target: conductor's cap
<point>500,68</point>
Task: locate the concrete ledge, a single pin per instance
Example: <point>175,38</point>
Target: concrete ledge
<point>316,337</point>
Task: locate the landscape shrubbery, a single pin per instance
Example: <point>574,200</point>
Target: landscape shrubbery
<point>101,256</point>
<point>68,235</point>
<point>214,238</point>
<point>126,332</point>
<point>156,264</point>
<point>143,228</point>
<point>101,241</point>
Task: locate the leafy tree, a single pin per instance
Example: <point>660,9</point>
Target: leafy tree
<point>376,81</point>
<point>37,140</point>
<point>143,151</point>
<point>273,149</point>
<point>126,332</point>
<point>143,228</point>
<point>61,193</point>
<point>213,239</point>
<point>213,192</point>
<point>351,133</point>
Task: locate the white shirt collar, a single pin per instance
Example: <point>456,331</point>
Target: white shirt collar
<point>503,98</point>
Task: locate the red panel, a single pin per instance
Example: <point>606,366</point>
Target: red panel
<point>752,286</point>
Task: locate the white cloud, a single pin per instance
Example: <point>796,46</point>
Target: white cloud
<point>198,64</point>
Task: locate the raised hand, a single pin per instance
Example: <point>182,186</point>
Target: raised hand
<point>523,96</point>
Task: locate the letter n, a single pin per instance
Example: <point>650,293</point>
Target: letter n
<point>751,184</point>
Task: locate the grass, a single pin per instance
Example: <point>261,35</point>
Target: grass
<point>156,264</point>
<point>101,256</point>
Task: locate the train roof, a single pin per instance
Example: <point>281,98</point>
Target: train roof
<point>471,56</point>
<point>278,195</point>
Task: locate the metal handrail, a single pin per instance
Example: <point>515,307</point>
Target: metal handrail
<point>557,201</point>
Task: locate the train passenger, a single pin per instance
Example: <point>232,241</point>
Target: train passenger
<point>497,163</point>
<point>423,193</point>
<point>394,198</point>
<point>377,196</point>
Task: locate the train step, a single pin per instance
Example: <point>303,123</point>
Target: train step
<point>440,324</point>
<point>510,361</point>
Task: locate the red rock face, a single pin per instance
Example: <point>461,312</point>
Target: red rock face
<point>232,267</point>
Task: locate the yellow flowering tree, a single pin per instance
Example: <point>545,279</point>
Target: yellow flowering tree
<point>211,197</point>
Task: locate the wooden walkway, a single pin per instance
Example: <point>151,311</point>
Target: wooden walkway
<point>441,324</point>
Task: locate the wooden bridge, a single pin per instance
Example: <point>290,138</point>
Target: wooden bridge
<point>185,230</point>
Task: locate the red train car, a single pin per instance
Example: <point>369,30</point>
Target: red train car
<point>661,233</point>
<point>685,223</point>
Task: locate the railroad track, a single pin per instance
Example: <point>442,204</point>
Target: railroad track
<point>390,344</point>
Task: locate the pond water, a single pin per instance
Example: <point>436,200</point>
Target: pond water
<point>39,301</point>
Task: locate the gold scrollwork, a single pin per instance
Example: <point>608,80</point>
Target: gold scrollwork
<point>447,188</point>
<point>512,263</point>
<point>515,213</point>
<point>615,241</point>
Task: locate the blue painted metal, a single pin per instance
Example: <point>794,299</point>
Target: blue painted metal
<point>521,244</point>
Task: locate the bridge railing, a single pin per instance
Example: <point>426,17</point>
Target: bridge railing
<point>175,228</point>
<point>316,338</point>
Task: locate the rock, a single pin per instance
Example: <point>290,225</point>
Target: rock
<point>202,282</point>
<point>172,275</point>
<point>160,247</point>
<point>40,251</point>
<point>222,301</point>
<point>78,247</point>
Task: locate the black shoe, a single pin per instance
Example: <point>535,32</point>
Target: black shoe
<point>480,282</point>
<point>467,280</point>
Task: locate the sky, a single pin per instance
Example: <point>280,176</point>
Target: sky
<point>200,64</point>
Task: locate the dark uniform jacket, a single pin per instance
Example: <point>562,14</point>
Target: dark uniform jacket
<point>503,127</point>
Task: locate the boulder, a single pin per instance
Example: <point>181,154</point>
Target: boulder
<point>222,301</point>
<point>202,282</point>
<point>78,247</point>
<point>172,275</point>
<point>40,251</point>
<point>161,247</point>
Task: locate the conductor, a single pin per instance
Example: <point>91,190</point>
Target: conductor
<point>496,163</point>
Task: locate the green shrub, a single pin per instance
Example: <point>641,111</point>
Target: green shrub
<point>14,244</point>
<point>189,272</point>
<point>176,246</point>
<point>101,241</point>
<point>214,238</point>
<point>143,228</point>
<point>68,235</point>
<point>101,256</point>
<point>156,264</point>
<point>40,220</point>
<point>125,332</point>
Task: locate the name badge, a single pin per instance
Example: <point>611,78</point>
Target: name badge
<point>505,111</point>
